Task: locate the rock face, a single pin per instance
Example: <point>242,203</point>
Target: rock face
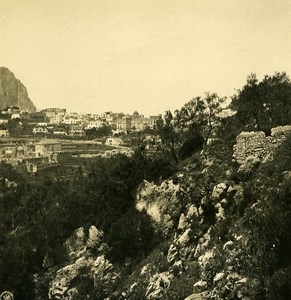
<point>13,92</point>
<point>160,202</point>
<point>86,266</point>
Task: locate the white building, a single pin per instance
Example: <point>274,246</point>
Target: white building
<point>48,148</point>
<point>4,133</point>
<point>41,124</point>
<point>95,124</point>
<point>71,121</point>
<point>41,129</point>
<point>114,141</point>
<point>3,121</point>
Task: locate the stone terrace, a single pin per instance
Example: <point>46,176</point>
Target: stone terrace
<point>258,145</point>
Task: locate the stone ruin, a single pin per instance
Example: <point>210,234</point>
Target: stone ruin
<point>256,145</point>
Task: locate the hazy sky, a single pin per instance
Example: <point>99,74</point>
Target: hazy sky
<point>145,55</point>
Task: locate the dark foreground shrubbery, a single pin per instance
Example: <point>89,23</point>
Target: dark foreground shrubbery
<point>37,217</point>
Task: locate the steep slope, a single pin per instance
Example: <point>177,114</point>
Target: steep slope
<point>222,231</point>
<point>13,92</point>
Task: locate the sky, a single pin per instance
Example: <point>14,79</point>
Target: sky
<point>145,55</point>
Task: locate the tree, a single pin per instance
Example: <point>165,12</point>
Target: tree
<point>191,126</point>
<point>169,134</point>
<point>248,103</point>
<point>200,116</point>
<point>100,132</point>
<point>131,235</point>
<point>263,105</point>
<point>276,90</point>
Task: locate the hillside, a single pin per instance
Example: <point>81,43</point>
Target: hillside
<point>214,229</point>
<point>206,216</point>
<point>222,232</point>
<point>13,92</point>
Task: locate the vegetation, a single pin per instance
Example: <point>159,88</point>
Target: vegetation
<point>189,128</point>
<point>100,132</point>
<point>265,104</point>
<point>36,217</point>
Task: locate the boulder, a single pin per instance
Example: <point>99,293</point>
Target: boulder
<point>158,284</point>
<point>95,237</point>
<point>183,224</point>
<point>219,212</point>
<point>200,286</point>
<point>203,243</point>
<point>60,287</point>
<point>79,244</point>
<point>192,211</point>
<point>242,281</point>
<point>84,267</point>
<point>194,297</point>
<point>172,253</point>
<point>145,270</point>
<point>228,245</point>
<point>218,277</point>
<point>184,238</point>
<point>219,190</point>
<point>160,202</point>
<point>103,274</point>
<point>178,264</point>
<point>76,244</point>
<point>204,259</point>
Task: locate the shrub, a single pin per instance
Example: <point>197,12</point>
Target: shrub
<point>130,236</point>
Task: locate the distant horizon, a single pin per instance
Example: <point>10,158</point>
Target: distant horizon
<point>150,56</point>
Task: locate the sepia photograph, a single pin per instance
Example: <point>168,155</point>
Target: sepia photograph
<point>145,150</point>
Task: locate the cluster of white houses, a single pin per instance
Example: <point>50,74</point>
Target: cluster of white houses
<point>60,122</point>
<point>28,156</point>
<point>78,123</point>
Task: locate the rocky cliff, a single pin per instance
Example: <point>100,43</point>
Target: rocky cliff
<point>13,92</point>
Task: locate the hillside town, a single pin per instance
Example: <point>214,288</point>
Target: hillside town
<point>59,122</point>
<point>29,140</point>
<point>33,140</point>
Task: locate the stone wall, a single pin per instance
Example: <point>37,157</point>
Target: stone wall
<point>256,145</point>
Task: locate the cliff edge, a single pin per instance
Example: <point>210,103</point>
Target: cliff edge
<point>13,92</point>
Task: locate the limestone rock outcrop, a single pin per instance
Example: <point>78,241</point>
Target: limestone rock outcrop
<point>158,285</point>
<point>13,92</point>
<point>160,202</point>
<point>87,266</point>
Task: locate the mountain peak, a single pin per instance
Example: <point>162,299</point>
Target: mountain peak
<point>13,92</point>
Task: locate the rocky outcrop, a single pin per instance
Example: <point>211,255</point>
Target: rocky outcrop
<point>190,244</point>
<point>87,266</point>
<point>160,202</point>
<point>190,239</point>
<point>13,92</point>
<point>158,285</point>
